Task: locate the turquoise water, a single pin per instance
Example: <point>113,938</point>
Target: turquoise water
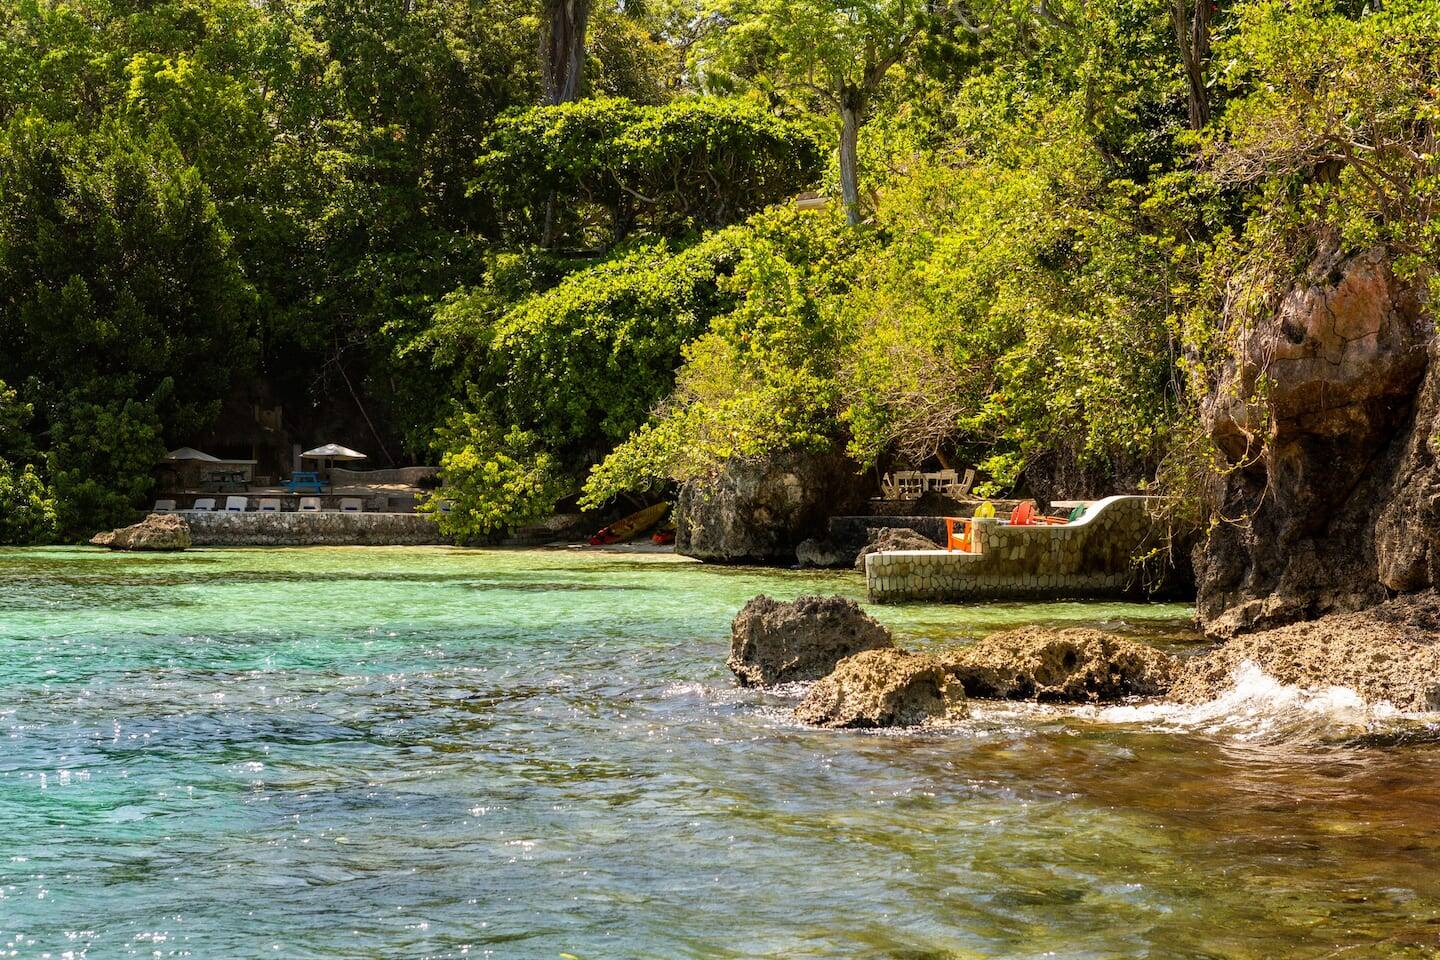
<point>437,753</point>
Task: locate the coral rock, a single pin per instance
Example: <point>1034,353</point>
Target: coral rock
<point>773,642</point>
<point>884,688</point>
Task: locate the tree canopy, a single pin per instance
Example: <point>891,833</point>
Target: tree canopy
<point>555,246</point>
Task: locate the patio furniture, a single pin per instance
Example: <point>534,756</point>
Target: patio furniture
<point>1023,515</point>
<point>948,482</point>
<point>237,504</point>
<point>910,483</point>
<point>164,506</point>
<point>309,504</point>
<point>223,480</point>
<point>269,504</point>
<point>965,540</point>
<point>204,505</point>
<point>305,480</point>
<point>351,505</point>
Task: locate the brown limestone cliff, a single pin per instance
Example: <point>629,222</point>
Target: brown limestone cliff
<point>1325,414</point>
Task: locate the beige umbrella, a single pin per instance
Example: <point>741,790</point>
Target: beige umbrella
<point>332,453</point>
<point>190,453</point>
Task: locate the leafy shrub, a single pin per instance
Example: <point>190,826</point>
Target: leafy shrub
<point>27,506</point>
<point>495,478</point>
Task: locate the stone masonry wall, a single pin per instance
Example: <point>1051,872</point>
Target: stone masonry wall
<point>331,529</point>
<point>1089,558</point>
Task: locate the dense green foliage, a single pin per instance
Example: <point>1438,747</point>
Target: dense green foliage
<point>321,203</point>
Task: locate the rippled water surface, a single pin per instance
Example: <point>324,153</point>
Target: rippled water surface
<point>437,753</point>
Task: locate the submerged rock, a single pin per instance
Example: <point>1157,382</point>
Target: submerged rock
<point>1049,665</point>
<point>893,538</point>
<point>159,531</point>
<point>760,510</point>
<point>1388,653</point>
<point>821,553</point>
<point>884,688</point>
<point>773,642</point>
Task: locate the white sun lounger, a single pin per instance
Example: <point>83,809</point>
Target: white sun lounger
<point>204,505</point>
<point>164,506</point>
<point>269,504</point>
<point>309,504</point>
<point>351,505</point>
<point>237,504</point>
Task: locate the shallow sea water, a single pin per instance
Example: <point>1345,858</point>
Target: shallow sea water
<point>442,753</point>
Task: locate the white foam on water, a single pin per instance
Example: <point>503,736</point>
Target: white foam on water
<point>1259,707</point>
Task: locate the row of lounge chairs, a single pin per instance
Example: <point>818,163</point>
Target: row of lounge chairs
<point>266,505</point>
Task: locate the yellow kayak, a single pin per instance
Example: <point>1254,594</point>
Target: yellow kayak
<point>632,526</point>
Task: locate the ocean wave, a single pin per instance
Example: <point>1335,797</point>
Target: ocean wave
<point>1257,707</point>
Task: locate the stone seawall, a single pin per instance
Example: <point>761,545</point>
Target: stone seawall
<point>324,529</point>
<point>1093,557</point>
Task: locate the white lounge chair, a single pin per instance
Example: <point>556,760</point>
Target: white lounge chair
<point>269,504</point>
<point>237,504</point>
<point>351,505</point>
<point>309,504</point>
<point>204,505</point>
<point>164,506</point>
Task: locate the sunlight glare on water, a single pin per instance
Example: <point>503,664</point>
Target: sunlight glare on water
<point>443,753</point>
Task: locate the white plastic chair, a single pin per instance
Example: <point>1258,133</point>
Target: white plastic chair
<point>309,504</point>
<point>269,504</point>
<point>351,505</point>
<point>164,506</point>
<point>911,484</point>
<point>204,505</point>
<point>237,504</point>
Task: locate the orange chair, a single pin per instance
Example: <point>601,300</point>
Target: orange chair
<point>965,542</point>
<point>1023,515</point>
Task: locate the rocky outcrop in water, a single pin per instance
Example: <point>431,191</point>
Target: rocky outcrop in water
<point>1072,666</point>
<point>759,511</point>
<point>773,642</point>
<point>159,531</point>
<point>1326,415</point>
<point>893,538</point>
<point>884,688</point>
<point>1387,653</point>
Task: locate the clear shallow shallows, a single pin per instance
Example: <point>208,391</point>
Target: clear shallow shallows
<point>432,753</point>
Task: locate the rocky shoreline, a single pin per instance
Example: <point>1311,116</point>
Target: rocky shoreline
<point>864,680</point>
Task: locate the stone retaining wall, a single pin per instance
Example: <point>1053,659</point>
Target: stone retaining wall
<point>1093,557</point>
<point>311,529</point>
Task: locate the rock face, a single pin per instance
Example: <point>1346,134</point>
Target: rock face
<point>893,538</point>
<point>884,688</point>
<point>159,531</point>
<point>1053,666</point>
<point>758,511</point>
<point>1326,414</point>
<point>773,642</point>
<point>1387,653</point>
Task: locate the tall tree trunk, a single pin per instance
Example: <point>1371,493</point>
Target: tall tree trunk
<point>1192,33</point>
<point>562,65</point>
<point>852,108</point>
<point>562,59</point>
